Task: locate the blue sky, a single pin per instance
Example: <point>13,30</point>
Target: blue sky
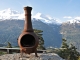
<point>60,9</point>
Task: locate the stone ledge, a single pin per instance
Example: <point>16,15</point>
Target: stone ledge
<point>42,56</point>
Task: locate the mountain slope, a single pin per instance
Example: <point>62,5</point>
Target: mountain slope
<point>71,32</point>
<point>11,29</point>
<point>51,33</point>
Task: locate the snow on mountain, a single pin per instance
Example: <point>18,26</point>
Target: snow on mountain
<point>46,18</point>
<point>9,14</point>
<point>73,21</point>
<point>12,14</point>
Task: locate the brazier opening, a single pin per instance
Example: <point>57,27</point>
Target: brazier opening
<point>27,40</point>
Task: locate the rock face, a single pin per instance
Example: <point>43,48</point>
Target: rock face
<point>42,56</point>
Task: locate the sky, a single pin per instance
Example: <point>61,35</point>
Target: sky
<point>60,9</point>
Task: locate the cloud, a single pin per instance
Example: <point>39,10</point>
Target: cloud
<point>69,17</point>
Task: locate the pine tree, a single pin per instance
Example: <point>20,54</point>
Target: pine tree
<point>68,52</point>
<point>41,40</point>
<point>64,44</point>
<point>74,55</point>
<point>9,45</point>
<point>63,52</point>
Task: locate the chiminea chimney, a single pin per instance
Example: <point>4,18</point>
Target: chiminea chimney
<point>28,23</point>
<point>28,40</point>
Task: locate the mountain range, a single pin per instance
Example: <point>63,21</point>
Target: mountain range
<point>12,22</point>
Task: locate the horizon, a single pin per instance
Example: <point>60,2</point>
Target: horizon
<point>61,10</point>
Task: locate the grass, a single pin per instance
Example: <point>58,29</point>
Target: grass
<point>2,53</point>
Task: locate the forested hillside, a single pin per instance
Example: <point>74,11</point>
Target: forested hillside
<point>71,32</point>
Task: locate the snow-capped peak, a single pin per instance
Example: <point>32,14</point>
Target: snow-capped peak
<point>42,16</point>
<point>46,18</point>
<point>10,14</point>
<point>37,16</point>
<point>73,21</point>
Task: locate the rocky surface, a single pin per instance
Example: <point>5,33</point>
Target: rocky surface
<point>42,56</point>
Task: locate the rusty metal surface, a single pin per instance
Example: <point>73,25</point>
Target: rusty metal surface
<point>28,40</point>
